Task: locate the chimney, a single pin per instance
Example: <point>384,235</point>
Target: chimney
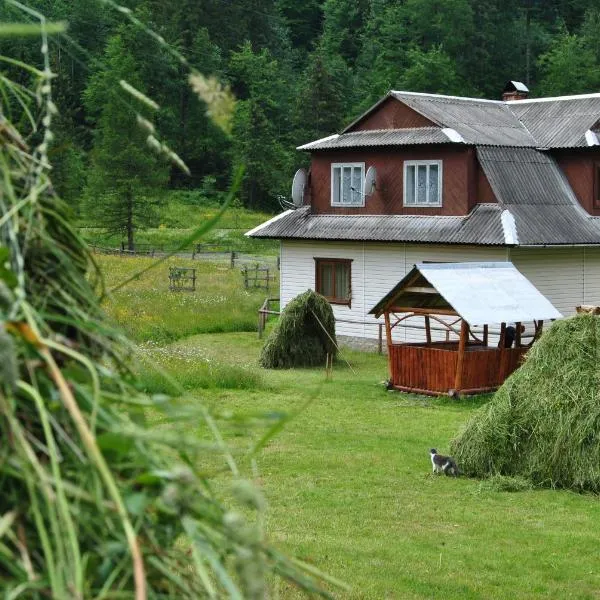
<point>515,90</point>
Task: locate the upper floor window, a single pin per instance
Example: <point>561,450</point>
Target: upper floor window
<point>423,183</point>
<point>347,182</point>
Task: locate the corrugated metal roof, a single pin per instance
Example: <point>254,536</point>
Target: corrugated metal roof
<point>481,293</point>
<point>530,185</point>
<point>558,123</point>
<point>478,121</point>
<point>482,226</point>
<point>536,123</point>
<point>381,137</point>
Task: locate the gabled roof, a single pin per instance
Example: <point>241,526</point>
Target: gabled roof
<point>480,293</point>
<point>477,121</point>
<point>560,122</point>
<point>532,189</point>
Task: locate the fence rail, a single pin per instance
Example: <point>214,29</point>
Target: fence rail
<point>206,252</point>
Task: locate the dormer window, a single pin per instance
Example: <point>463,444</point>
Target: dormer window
<point>423,183</point>
<point>347,182</point>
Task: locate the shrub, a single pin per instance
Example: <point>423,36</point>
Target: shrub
<point>304,335</point>
<point>544,422</point>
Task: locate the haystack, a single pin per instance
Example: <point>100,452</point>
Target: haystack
<point>544,422</point>
<point>304,335</point>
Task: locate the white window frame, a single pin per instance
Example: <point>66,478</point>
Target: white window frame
<point>427,163</point>
<point>360,194</point>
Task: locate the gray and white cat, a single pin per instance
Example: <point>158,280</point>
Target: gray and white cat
<point>443,464</point>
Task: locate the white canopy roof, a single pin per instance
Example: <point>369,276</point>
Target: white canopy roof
<point>481,293</point>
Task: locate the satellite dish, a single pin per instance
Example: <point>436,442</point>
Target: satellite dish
<point>370,181</point>
<point>298,186</point>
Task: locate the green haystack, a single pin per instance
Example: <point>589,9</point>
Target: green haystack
<point>544,422</point>
<point>299,340</point>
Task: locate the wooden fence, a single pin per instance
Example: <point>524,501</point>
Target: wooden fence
<point>182,279</point>
<point>257,277</point>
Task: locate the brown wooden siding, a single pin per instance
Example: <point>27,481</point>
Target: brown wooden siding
<point>485,194</point>
<point>389,197</point>
<point>580,169</point>
<point>432,369</point>
<point>392,114</point>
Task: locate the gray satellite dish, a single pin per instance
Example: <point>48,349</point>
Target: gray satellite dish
<point>298,186</point>
<point>370,181</point>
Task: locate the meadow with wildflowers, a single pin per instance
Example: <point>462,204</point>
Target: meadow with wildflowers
<point>344,463</point>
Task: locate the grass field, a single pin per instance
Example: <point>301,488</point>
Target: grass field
<point>348,479</point>
<point>178,219</point>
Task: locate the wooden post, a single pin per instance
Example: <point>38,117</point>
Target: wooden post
<point>462,344</point>
<point>518,335</point>
<point>232,263</point>
<point>502,335</point>
<point>503,354</point>
<point>538,330</point>
<point>485,335</point>
<point>428,329</point>
<point>388,337</point>
<point>380,339</point>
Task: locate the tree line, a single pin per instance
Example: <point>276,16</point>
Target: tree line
<point>299,71</point>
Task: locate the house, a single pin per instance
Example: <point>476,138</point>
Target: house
<point>457,180</point>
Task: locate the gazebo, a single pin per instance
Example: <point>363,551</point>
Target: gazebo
<point>460,298</point>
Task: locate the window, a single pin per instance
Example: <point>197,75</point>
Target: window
<point>333,279</point>
<point>423,183</point>
<point>347,182</point>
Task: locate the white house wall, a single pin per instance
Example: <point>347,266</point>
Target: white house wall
<point>376,268</point>
<point>566,276</point>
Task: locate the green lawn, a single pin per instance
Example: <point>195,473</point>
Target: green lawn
<point>348,479</point>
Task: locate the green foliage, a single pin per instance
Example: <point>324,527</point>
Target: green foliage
<point>304,335</point>
<point>570,67</point>
<point>543,424</point>
<point>432,71</point>
<point>122,186</point>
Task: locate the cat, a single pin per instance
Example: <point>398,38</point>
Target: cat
<point>445,464</point>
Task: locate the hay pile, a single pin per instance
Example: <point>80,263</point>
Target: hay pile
<point>299,340</point>
<point>544,422</point>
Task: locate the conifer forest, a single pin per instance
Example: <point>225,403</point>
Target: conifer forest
<point>299,71</point>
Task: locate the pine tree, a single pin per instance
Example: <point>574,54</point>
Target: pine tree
<point>126,178</point>
<point>261,127</point>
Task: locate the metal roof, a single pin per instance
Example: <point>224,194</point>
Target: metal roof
<point>482,293</point>
<point>558,122</point>
<point>482,226</point>
<point>531,186</point>
<point>381,137</point>
<point>478,121</point>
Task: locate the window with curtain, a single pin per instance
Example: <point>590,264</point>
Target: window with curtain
<point>423,183</point>
<point>347,182</point>
<point>333,279</point>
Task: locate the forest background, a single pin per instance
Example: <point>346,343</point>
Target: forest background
<point>300,70</point>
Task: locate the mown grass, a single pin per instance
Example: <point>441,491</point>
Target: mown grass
<point>147,310</point>
<point>348,477</point>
